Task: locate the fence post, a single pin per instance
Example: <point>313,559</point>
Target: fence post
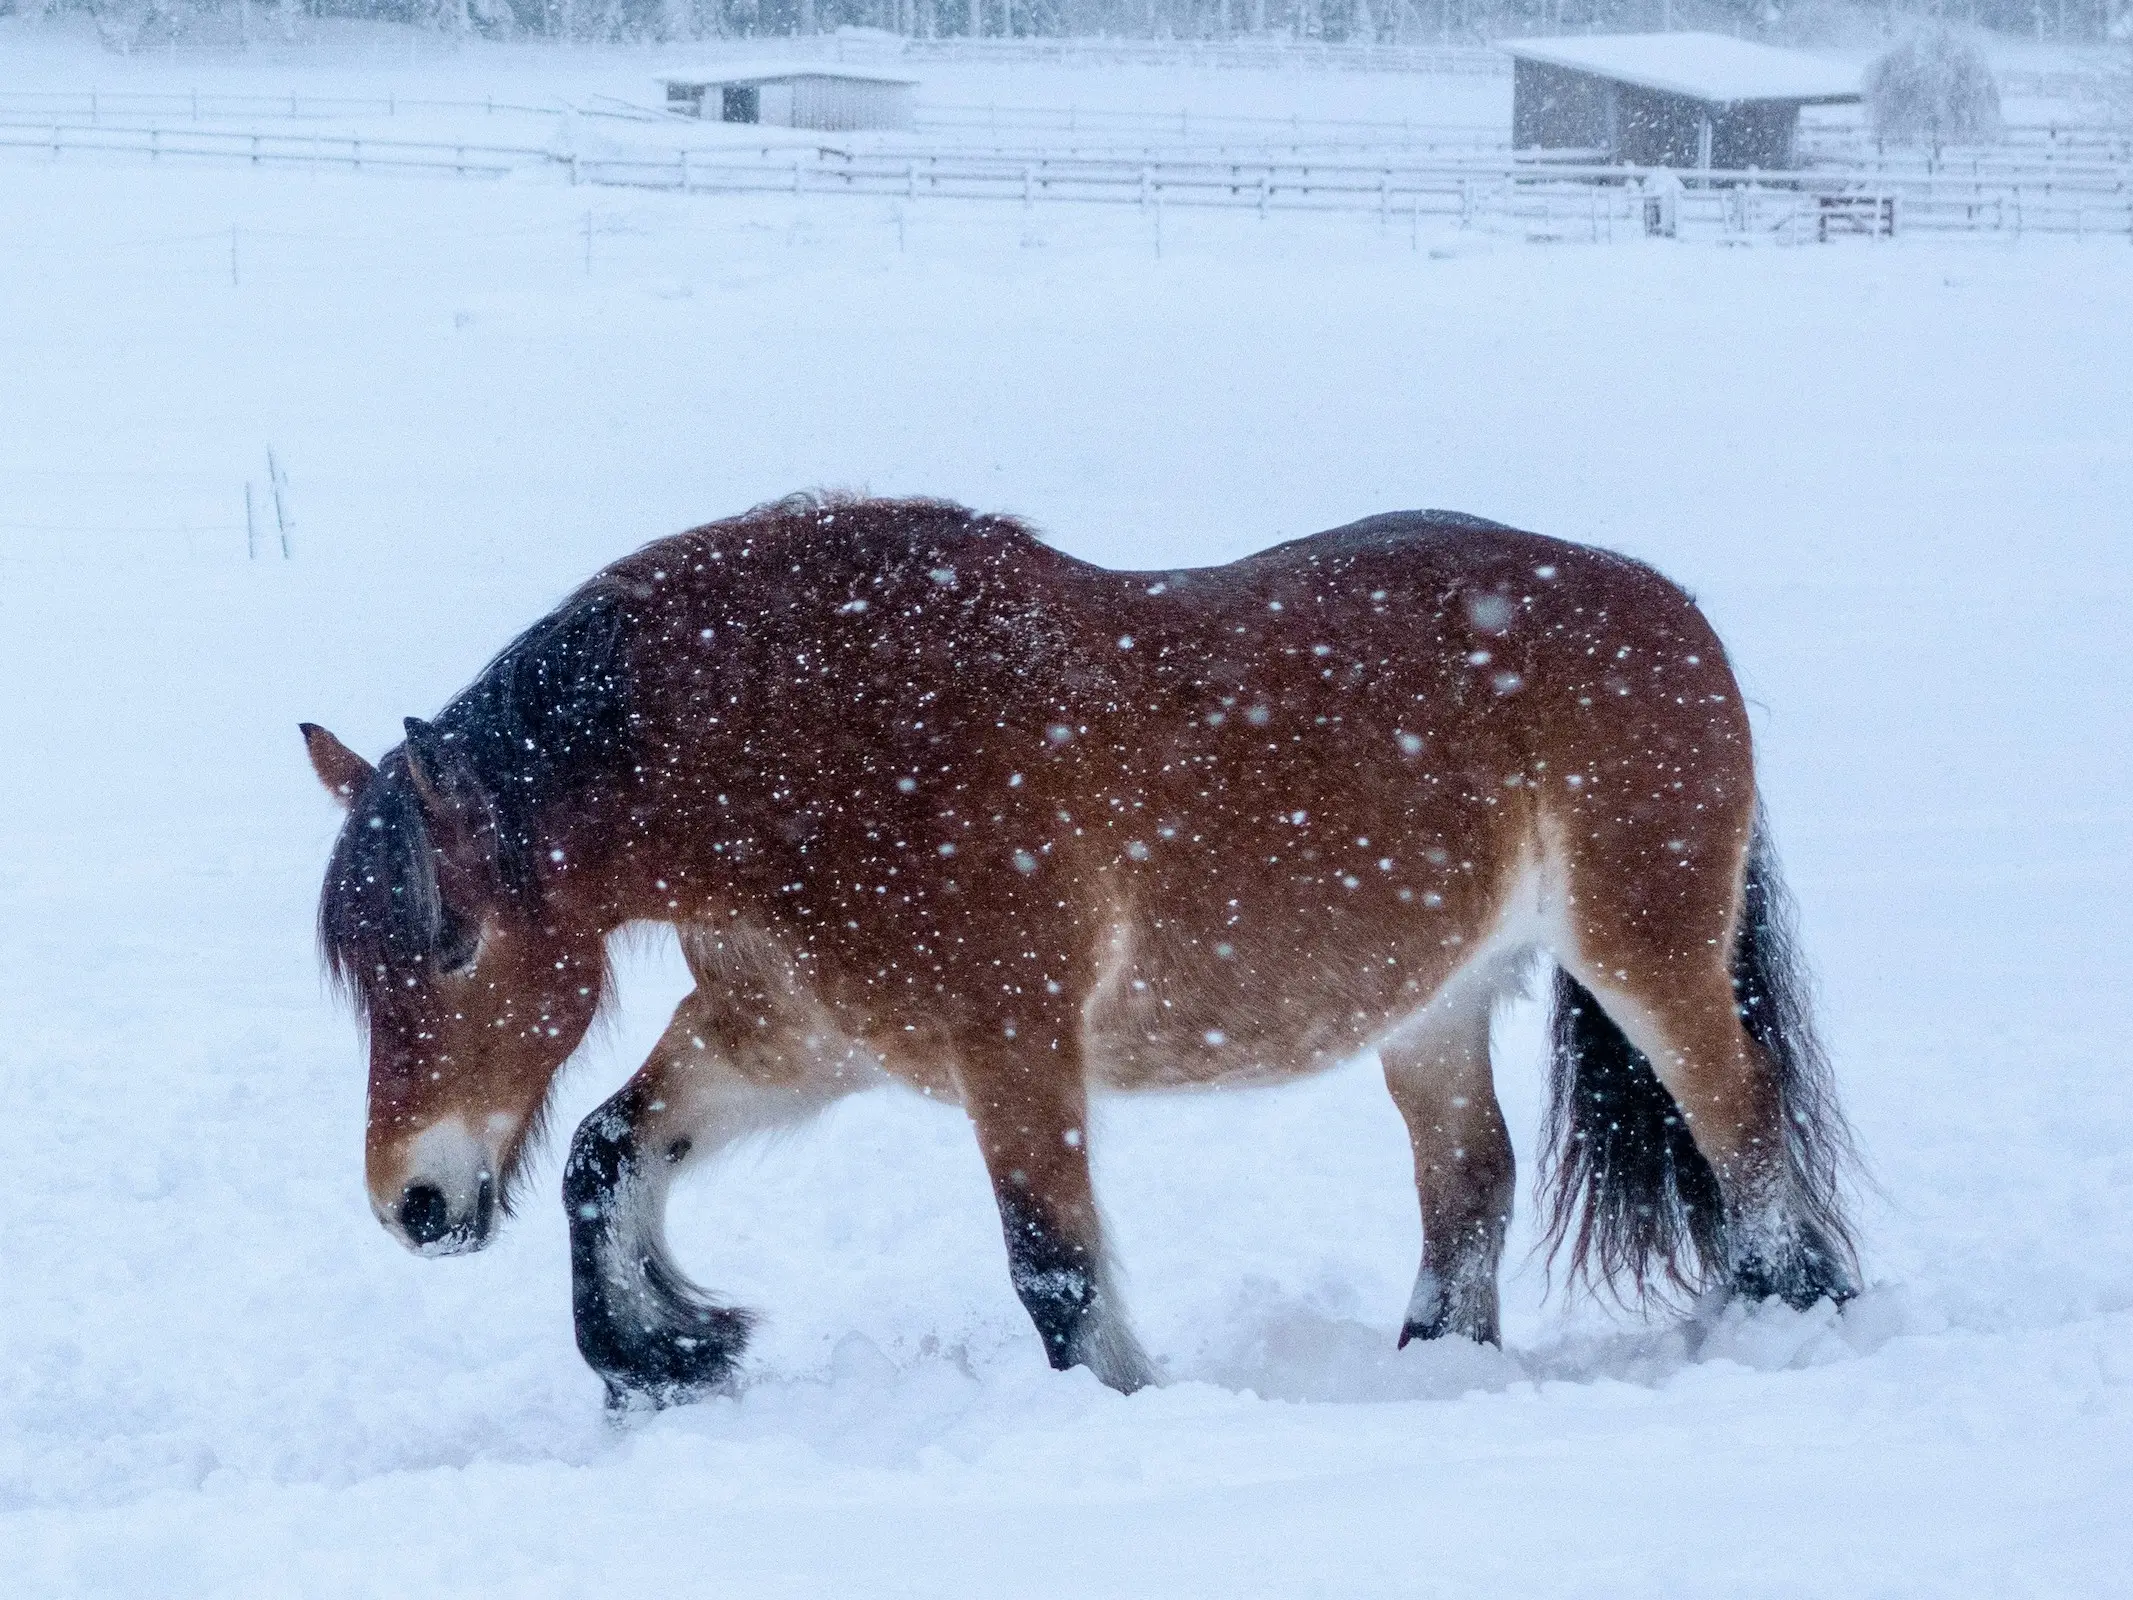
<point>278,480</point>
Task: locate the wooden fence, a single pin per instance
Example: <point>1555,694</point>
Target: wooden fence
<point>1607,196</point>
<point>2094,198</point>
<point>93,105</point>
<point>2022,143</point>
<point>264,149</point>
<point>1446,60</point>
<point>2018,82</point>
<point>1182,126</point>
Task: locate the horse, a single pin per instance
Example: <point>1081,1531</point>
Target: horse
<point>930,802</point>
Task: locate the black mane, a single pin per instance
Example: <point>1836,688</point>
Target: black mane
<point>545,722</point>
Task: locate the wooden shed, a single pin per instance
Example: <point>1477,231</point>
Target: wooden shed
<point>828,98</point>
<point>1669,99</point>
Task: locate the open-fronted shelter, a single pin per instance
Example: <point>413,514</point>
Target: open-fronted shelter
<point>1669,99</point>
<point>833,99</point>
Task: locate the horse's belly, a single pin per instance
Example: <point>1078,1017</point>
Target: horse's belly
<point>1152,1025</point>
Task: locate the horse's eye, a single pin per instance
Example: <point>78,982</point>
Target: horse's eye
<point>458,951</point>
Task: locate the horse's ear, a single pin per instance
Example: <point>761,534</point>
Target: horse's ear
<point>340,769</point>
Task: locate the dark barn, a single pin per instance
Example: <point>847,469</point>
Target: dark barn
<point>1669,99</point>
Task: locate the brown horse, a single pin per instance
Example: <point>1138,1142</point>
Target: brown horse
<point>928,801</point>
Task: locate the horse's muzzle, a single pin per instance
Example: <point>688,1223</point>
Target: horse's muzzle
<point>430,1224</point>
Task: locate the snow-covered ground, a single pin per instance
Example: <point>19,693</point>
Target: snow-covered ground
<point>1899,476</point>
<point>363,59</point>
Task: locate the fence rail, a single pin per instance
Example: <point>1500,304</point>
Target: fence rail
<point>1468,189</point>
<point>2018,82</point>
<point>260,149</point>
<point>1234,53</point>
<point>192,104</point>
<point>93,105</point>
<point>1494,185</point>
<point>2023,143</point>
<point>1185,124</point>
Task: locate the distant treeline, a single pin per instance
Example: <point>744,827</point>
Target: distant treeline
<point>1410,22</point>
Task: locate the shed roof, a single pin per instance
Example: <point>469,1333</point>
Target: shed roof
<point>744,74</point>
<point>1702,66</point>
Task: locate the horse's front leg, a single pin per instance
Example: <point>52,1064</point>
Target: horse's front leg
<point>1029,1106</point>
<point>650,1333</point>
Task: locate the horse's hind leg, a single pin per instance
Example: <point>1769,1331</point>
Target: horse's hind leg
<point>1438,1071</point>
<point>1769,1239</point>
<point>1755,1105</point>
<point>650,1333</point>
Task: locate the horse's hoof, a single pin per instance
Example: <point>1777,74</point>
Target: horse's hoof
<point>1463,1307</point>
<point>656,1369</point>
<point>632,1397</point>
<point>1808,1277</point>
<point>1436,1331</point>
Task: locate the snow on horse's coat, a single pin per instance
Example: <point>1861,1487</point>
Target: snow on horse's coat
<point>929,800</point>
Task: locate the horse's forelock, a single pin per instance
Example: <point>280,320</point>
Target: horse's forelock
<point>543,722</point>
<point>381,910</point>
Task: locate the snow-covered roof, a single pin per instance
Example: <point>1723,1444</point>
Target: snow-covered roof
<point>741,73</point>
<point>1703,66</point>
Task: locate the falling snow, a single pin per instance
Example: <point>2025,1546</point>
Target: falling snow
<point>223,1378</point>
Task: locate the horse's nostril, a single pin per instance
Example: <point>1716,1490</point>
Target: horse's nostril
<point>424,1216</point>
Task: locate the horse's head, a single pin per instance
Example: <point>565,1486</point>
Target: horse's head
<point>447,927</point>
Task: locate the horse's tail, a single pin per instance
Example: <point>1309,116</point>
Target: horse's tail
<point>1623,1182</point>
